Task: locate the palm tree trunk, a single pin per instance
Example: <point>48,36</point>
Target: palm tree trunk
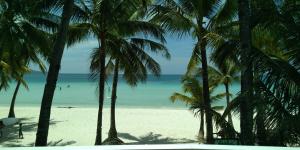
<point>228,101</point>
<point>260,125</point>
<point>11,113</point>
<point>58,48</point>
<point>208,114</point>
<point>246,109</point>
<point>101,88</point>
<point>201,130</point>
<point>113,131</point>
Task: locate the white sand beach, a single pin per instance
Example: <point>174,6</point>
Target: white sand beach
<point>77,126</point>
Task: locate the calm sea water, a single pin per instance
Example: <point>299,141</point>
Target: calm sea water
<point>80,90</point>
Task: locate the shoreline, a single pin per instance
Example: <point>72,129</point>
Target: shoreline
<point>95,106</point>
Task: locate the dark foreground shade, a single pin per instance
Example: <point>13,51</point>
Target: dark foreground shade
<point>156,147</point>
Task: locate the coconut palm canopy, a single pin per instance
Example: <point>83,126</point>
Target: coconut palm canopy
<point>254,42</point>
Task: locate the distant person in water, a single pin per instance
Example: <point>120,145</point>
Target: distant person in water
<point>68,86</point>
<point>20,131</point>
<point>1,127</point>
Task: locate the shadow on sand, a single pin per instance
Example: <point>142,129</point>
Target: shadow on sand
<point>10,137</point>
<point>51,143</point>
<point>152,138</point>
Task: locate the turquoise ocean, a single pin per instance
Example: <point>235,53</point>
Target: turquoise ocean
<point>79,90</point>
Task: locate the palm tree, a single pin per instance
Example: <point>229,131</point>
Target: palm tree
<point>275,72</point>
<point>226,75</point>
<point>25,43</point>
<point>113,134</point>
<point>246,112</point>
<point>55,60</point>
<point>227,48</point>
<point>180,16</point>
<point>195,100</point>
<point>107,19</point>
<point>130,56</point>
<point>189,17</point>
<point>11,113</point>
<point>20,81</point>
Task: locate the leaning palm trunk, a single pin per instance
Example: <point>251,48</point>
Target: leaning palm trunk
<point>11,113</point>
<point>58,48</point>
<point>113,134</point>
<point>228,101</point>
<point>246,109</point>
<point>101,88</point>
<point>113,131</point>
<point>208,114</point>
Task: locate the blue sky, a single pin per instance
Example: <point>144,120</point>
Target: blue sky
<point>76,58</point>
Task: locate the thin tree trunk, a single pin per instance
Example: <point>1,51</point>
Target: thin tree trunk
<point>201,130</point>
<point>260,125</point>
<point>228,101</point>
<point>101,88</point>
<point>113,131</point>
<point>246,109</point>
<point>55,61</point>
<point>11,113</point>
<point>208,114</point>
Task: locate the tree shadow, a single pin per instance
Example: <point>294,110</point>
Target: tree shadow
<point>152,138</point>
<point>51,143</point>
<point>10,136</point>
<point>60,143</point>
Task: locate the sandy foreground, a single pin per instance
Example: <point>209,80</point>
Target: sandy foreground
<point>77,126</point>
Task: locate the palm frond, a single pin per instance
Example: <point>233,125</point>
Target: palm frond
<point>181,97</point>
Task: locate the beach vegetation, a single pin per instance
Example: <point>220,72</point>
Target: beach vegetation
<point>252,43</point>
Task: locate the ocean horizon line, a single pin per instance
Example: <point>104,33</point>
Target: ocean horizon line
<point>79,73</point>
